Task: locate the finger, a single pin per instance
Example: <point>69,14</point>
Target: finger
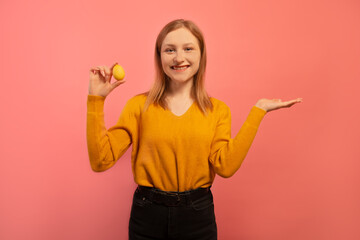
<point>98,69</point>
<point>94,70</point>
<point>297,100</point>
<point>113,66</point>
<point>102,70</point>
<point>108,73</point>
<point>107,70</point>
<point>290,103</point>
<point>102,73</point>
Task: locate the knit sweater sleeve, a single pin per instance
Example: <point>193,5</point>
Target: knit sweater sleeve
<point>227,154</point>
<point>106,146</point>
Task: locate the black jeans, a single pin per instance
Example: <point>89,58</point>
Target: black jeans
<point>194,220</point>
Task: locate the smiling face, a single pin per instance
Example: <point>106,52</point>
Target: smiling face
<point>180,55</point>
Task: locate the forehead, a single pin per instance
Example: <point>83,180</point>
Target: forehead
<point>179,37</point>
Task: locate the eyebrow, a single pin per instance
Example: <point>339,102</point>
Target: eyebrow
<point>172,45</point>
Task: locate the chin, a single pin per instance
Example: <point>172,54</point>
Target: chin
<point>180,80</point>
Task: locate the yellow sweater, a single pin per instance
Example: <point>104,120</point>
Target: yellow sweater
<point>169,152</point>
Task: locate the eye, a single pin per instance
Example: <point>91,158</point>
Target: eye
<point>169,50</point>
<point>188,49</point>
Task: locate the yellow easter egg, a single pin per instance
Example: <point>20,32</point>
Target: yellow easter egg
<point>118,72</point>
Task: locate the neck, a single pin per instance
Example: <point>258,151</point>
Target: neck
<point>180,90</point>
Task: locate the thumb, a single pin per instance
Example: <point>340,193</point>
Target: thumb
<point>116,84</point>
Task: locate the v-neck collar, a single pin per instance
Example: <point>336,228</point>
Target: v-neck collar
<point>185,113</point>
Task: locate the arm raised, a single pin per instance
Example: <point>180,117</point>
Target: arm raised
<point>105,147</point>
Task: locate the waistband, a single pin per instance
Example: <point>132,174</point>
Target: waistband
<point>171,198</point>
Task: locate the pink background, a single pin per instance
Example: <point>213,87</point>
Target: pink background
<point>301,177</point>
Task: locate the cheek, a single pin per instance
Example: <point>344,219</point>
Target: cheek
<point>197,62</point>
<point>196,59</point>
<point>164,60</point>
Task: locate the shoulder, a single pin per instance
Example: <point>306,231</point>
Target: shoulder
<point>219,106</point>
<point>136,103</point>
<point>138,99</point>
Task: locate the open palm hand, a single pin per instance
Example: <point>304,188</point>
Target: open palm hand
<point>273,104</point>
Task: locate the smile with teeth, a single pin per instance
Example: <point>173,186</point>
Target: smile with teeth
<point>180,67</point>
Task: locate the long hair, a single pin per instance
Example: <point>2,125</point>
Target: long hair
<point>156,94</point>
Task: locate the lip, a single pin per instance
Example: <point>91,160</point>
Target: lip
<point>180,70</point>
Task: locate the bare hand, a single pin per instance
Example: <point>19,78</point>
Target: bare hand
<point>99,83</point>
<point>273,104</point>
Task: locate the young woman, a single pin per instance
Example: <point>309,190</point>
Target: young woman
<point>180,138</point>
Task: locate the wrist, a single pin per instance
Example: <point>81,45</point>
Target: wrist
<point>260,106</point>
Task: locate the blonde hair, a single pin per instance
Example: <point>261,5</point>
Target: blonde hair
<point>156,94</point>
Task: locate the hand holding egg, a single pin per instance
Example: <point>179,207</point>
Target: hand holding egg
<point>100,78</point>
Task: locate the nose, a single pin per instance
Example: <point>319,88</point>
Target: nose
<point>179,57</point>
